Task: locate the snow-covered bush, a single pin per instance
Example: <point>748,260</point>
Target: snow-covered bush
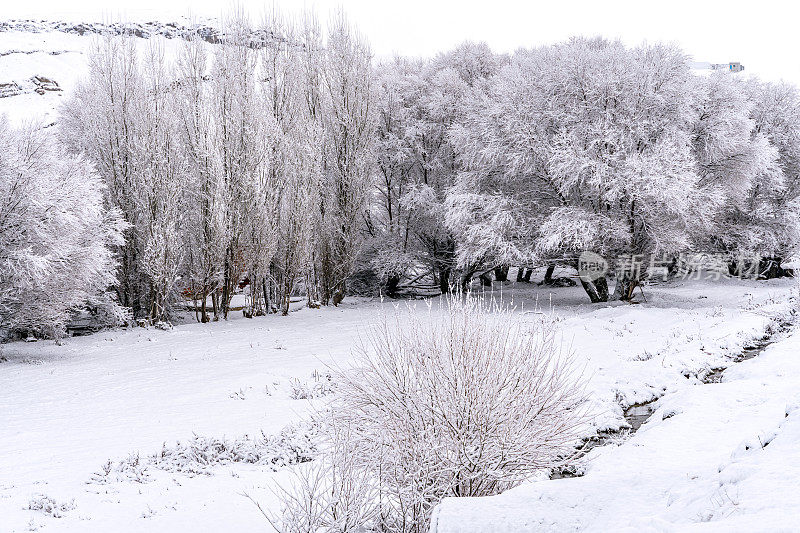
<point>465,401</point>
<point>56,233</point>
<point>295,444</point>
<point>49,506</point>
<point>323,386</point>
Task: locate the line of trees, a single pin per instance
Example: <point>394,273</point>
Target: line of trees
<point>487,161</point>
<point>282,158</point>
<point>248,159</point>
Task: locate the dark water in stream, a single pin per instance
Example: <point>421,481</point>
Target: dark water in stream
<point>635,416</point>
<point>715,375</point>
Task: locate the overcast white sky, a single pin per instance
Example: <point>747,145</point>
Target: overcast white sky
<point>763,35</point>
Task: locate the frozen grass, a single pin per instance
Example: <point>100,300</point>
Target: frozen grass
<point>322,385</point>
<point>129,469</point>
<point>49,506</point>
<point>203,455</point>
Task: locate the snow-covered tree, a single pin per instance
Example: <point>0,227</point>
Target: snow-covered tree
<point>346,102</point>
<point>160,185</point>
<point>122,119</point>
<point>204,230</point>
<point>417,165</point>
<point>250,160</point>
<point>291,157</point>
<point>588,144</point>
<point>101,122</point>
<point>744,172</point>
<point>776,116</point>
<point>390,240</point>
<point>56,233</point>
<point>240,144</point>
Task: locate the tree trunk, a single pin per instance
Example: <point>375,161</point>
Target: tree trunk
<point>626,284</point>
<point>486,279</point>
<point>339,294</point>
<point>286,300</point>
<point>226,284</point>
<point>770,268</point>
<point>444,280</point>
<point>527,277</point>
<point>520,271</point>
<point>203,308</point>
<point>548,275</point>
<point>466,281</point>
<point>391,286</point>
<point>285,285</point>
<point>501,273</point>
<point>597,289</point>
<point>215,304</point>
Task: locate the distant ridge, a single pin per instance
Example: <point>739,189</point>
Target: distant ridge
<point>144,30</point>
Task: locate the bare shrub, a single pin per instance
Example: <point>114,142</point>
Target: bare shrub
<point>130,469</point>
<point>323,386</point>
<point>468,400</point>
<point>333,493</point>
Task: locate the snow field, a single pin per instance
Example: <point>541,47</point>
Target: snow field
<point>69,409</point>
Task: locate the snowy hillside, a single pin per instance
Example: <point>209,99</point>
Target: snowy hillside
<point>41,61</point>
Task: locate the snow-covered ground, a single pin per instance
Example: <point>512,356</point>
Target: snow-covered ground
<point>66,410</point>
<point>717,457</point>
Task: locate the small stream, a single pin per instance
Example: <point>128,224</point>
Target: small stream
<point>636,415</point>
<point>715,374</point>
